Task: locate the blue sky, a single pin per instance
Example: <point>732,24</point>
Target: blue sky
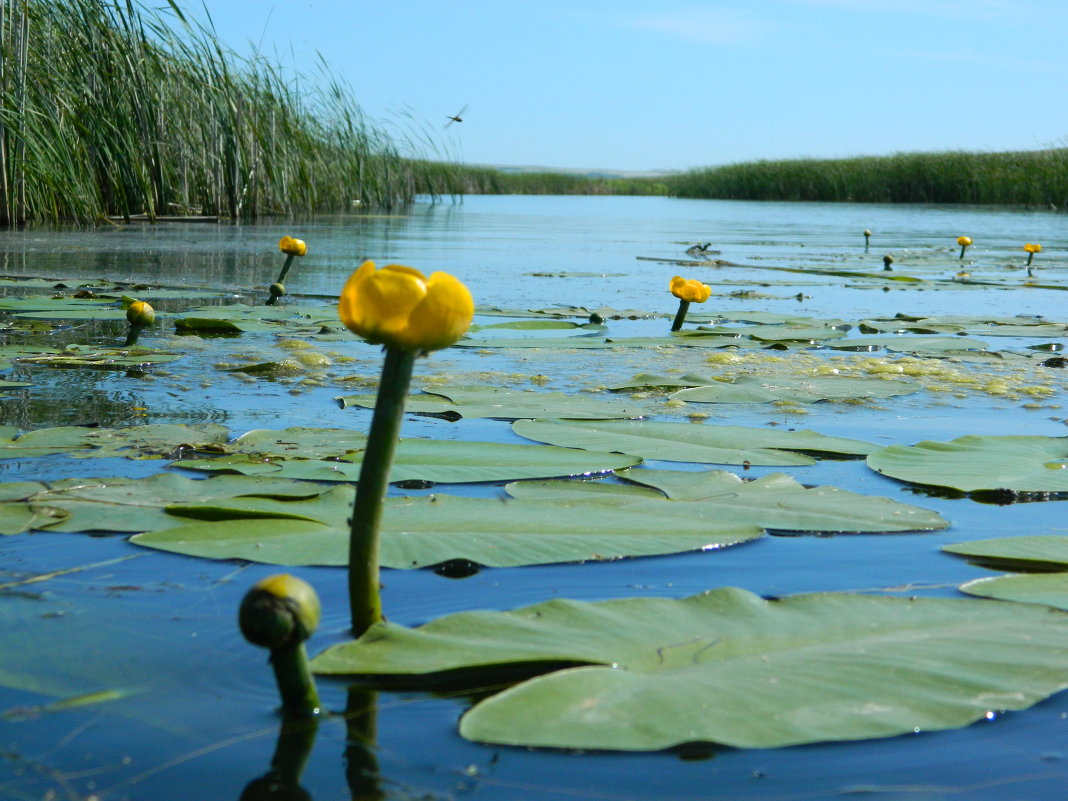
<point>672,85</point>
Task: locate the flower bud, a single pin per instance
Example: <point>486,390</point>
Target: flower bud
<point>277,289</point>
<point>140,314</point>
<point>279,611</point>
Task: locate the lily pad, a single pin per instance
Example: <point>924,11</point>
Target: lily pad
<point>136,505</point>
<point>439,461</point>
<point>972,463</point>
<point>726,666</point>
<point>419,532</point>
<point>1050,589</point>
<point>1044,552</point>
<point>147,441</point>
<point>507,404</point>
<point>775,502</point>
<point>756,389</point>
<point>688,442</point>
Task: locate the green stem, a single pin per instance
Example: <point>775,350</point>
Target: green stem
<point>364,600</point>
<point>273,299</point>
<point>962,249</point>
<point>285,268</point>
<point>295,683</point>
<point>1030,256</point>
<point>133,334</point>
<point>680,315</point>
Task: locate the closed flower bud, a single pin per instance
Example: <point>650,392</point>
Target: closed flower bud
<point>399,307</point>
<point>291,246</point>
<point>964,241</point>
<point>140,314</point>
<point>277,289</point>
<point>279,611</point>
<point>690,289</point>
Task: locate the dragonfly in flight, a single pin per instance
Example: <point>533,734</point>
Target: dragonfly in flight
<point>457,117</point>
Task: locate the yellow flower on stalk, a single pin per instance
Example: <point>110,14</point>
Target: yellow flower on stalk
<point>964,241</point>
<point>1032,248</point>
<point>399,307</point>
<point>291,246</point>
<point>690,289</point>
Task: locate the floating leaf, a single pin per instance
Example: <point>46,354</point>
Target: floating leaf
<point>1050,589</point>
<point>972,463</point>
<point>775,501</point>
<point>655,380</point>
<point>726,666</point>
<point>910,344</point>
<point>418,532</point>
<point>101,358</point>
<point>1045,552</point>
<point>509,404</point>
<point>439,461</point>
<point>135,505</point>
<point>688,442</point>
<point>774,333</point>
<point>756,389</point>
<point>147,441</point>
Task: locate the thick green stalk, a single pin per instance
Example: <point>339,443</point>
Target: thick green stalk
<point>680,315</point>
<point>364,600</point>
<point>295,683</point>
<point>132,334</point>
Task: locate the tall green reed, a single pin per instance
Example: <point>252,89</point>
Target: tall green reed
<point>1025,178</point>
<point>108,107</point>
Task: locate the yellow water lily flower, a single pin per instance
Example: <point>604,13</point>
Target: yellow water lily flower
<point>964,241</point>
<point>690,289</point>
<point>1032,248</point>
<point>291,246</point>
<point>399,307</point>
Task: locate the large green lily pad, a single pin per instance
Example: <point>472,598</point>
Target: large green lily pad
<point>508,404</point>
<point>1050,589</point>
<point>124,504</point>
<point>756,389</point>
<point>147,441</point>
<point>973,463</point>
<point>1042,552</point>
<point>726,666</point>
<point>419,532</point>
<point>438,461</point>
<point>776,501</point>
<point>688,442</point>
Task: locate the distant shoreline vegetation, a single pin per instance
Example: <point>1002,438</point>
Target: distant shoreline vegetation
<point>1037,178</point>
<point>113,109</point>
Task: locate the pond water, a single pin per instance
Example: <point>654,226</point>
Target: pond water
<point>197,717</point>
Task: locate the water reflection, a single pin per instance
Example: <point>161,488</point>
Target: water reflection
<point>282,781</point>
<point>361,729</point>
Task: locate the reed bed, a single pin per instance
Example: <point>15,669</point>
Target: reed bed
<point>1026,178</point>
<point>109,108</point>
